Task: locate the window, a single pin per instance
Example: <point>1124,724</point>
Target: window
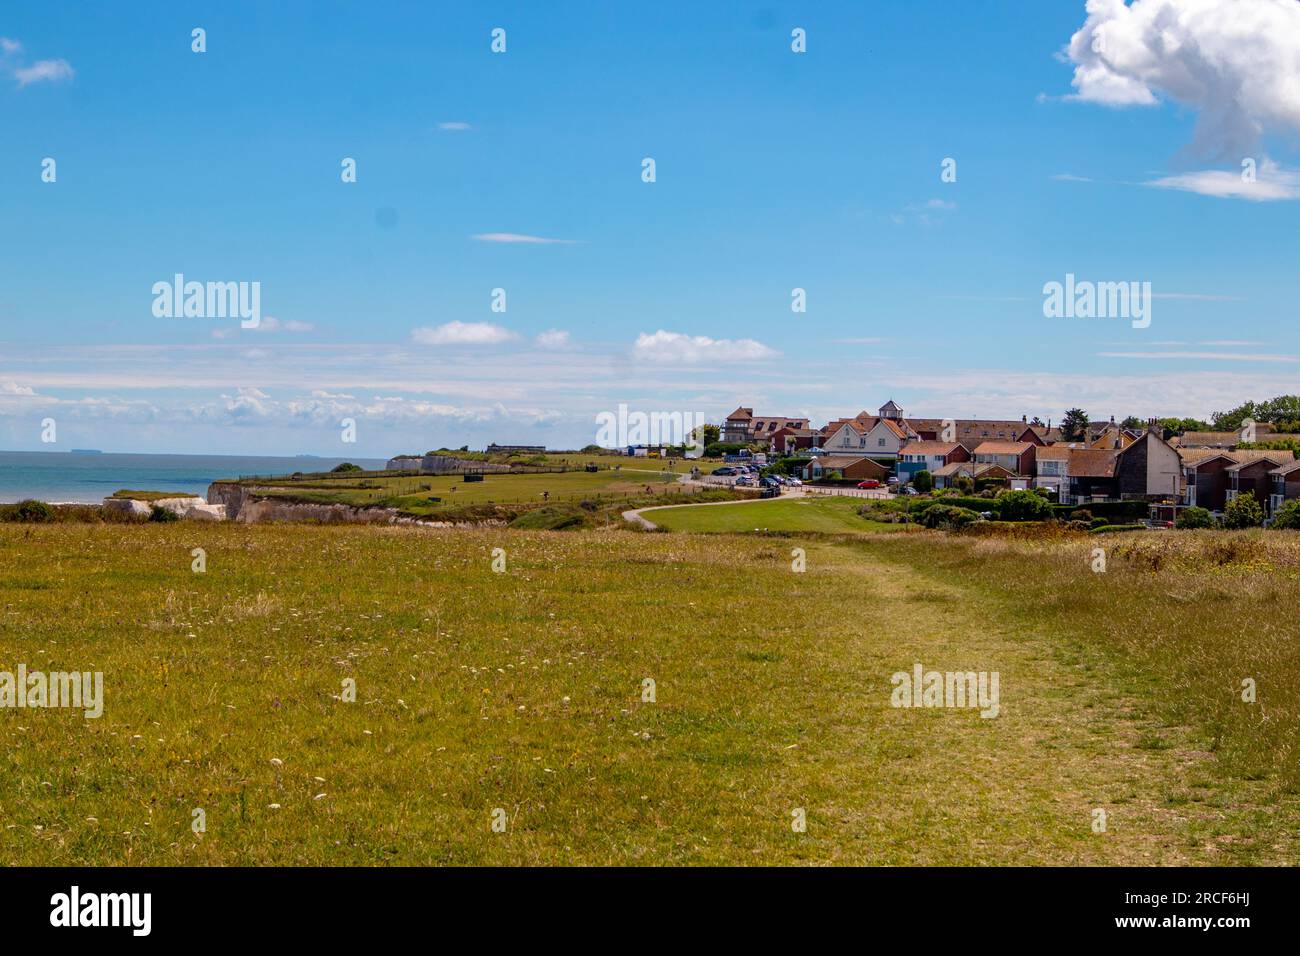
<point>880,442</point>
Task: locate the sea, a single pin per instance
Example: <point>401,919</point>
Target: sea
<point>86,476</point>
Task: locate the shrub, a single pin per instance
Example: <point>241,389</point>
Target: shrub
<point>1288,516</point>
<point>1078,525</point>
<point>1081,514</point>
<point>948,517</point>
<point>1108,528</point>
<point>1023,506</point>
<point>162,514</point>
<point>1243,511</point>
<point>344,466</point>
<point>964,484</point>
<point>32,512</point>
<point>923,481</point>
<point>1194,518</point>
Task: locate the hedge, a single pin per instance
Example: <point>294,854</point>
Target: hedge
<point>1107,509</point>
<point>1107,528</point>
<point>957,501</point>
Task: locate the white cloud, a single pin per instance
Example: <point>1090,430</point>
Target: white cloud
<point>270,323</point>
<point>454,126</point>
<point>1204,356</point>
<point>1236,62</point>
<point>1271,184</point>
<point>462,333</point>
<point>8,46</point>
<point>663,346</point>
<point>52,70</point>
<point>1071,178</point>
<point>13,388</point>
<point>553,339</point>
<point>515,237</point>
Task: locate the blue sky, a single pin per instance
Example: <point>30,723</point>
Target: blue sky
<point>774,170</point>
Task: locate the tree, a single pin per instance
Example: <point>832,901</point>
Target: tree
<point>1243,511</point>
<point>923,481</point>
<point>1022,505</point>
<point>965,484</point>
<point>345,466</point>
<point>1074,425</point>
<point>1194,518</point>
<point>1288,516</point>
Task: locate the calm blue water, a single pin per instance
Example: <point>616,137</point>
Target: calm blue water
<point>66,476</point>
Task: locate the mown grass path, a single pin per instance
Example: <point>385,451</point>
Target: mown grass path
<point>525,691</point>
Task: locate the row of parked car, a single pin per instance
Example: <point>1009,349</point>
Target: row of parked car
<point>747,477</point>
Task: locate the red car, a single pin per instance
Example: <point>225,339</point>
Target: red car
<point>869,483</point>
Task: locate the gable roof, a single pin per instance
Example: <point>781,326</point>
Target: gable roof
<point>1092,462</point>
<point>741,413</point>
<point>1286,469</point>
<point>893,426</point>
<point>1273,460</point>
<point>1002,447</point>
<point>924,447</point>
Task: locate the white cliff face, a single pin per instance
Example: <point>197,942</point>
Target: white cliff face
<point>185,506</point>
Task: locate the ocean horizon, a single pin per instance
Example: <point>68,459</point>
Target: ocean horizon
<point>85,476</point>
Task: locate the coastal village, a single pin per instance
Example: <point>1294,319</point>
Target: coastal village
<point>1107,462</point>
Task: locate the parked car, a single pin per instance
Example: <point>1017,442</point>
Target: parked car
<point>891,480</point>
<point>770,482</point>
<point>724,471</point>
<point>794,482</point>
<point>869,483</point>
<point>745,481</point>
<point>909,490</point>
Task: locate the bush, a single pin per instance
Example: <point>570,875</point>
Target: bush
<point>32,512</point>
<point>162,514</point>
<point>1108,528</point>
<point>1081,514</point>
<point>965,484</point>
<point>1023,506</point>
<point>344,467</point>
<point>956,501</point>
<point>1243,511</point>
<point>948,517</point>
<point>1288,516</point>
<point>923,481</point>
<point>1194,518</point>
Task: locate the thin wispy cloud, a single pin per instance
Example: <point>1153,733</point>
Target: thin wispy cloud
<point>1203,356</point>
<point>1071,178</point>
<point>51,70</point>
<point>1272,183</point>
<point>553,339</point>
<point>454,126</point>
<point>510,237</point>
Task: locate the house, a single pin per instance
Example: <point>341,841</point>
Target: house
<point>885,438</point>
<point>1051,464</point>
<point>1090,476</point>
<point>946,477</point>
<point>1225,441</point>
<point>845,436</point>
<point>743,426</point>
<point>928,456</point>
<point>789,440</point>
<point>1206,479</point>
<point>1285,481</point>
<point>736,426</point>
<point>1148,467</point>
<point>1254,477</point>
<point>848,466</point>
<point>1017,457</point>
<point>969,432</point>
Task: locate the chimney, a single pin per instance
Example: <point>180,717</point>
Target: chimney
<point>1153,426</point>
<point>1024,419</point>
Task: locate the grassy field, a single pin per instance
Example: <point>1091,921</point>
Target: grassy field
<point>523,691</point>
<point>829,515</point>
<point>412,493</point>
